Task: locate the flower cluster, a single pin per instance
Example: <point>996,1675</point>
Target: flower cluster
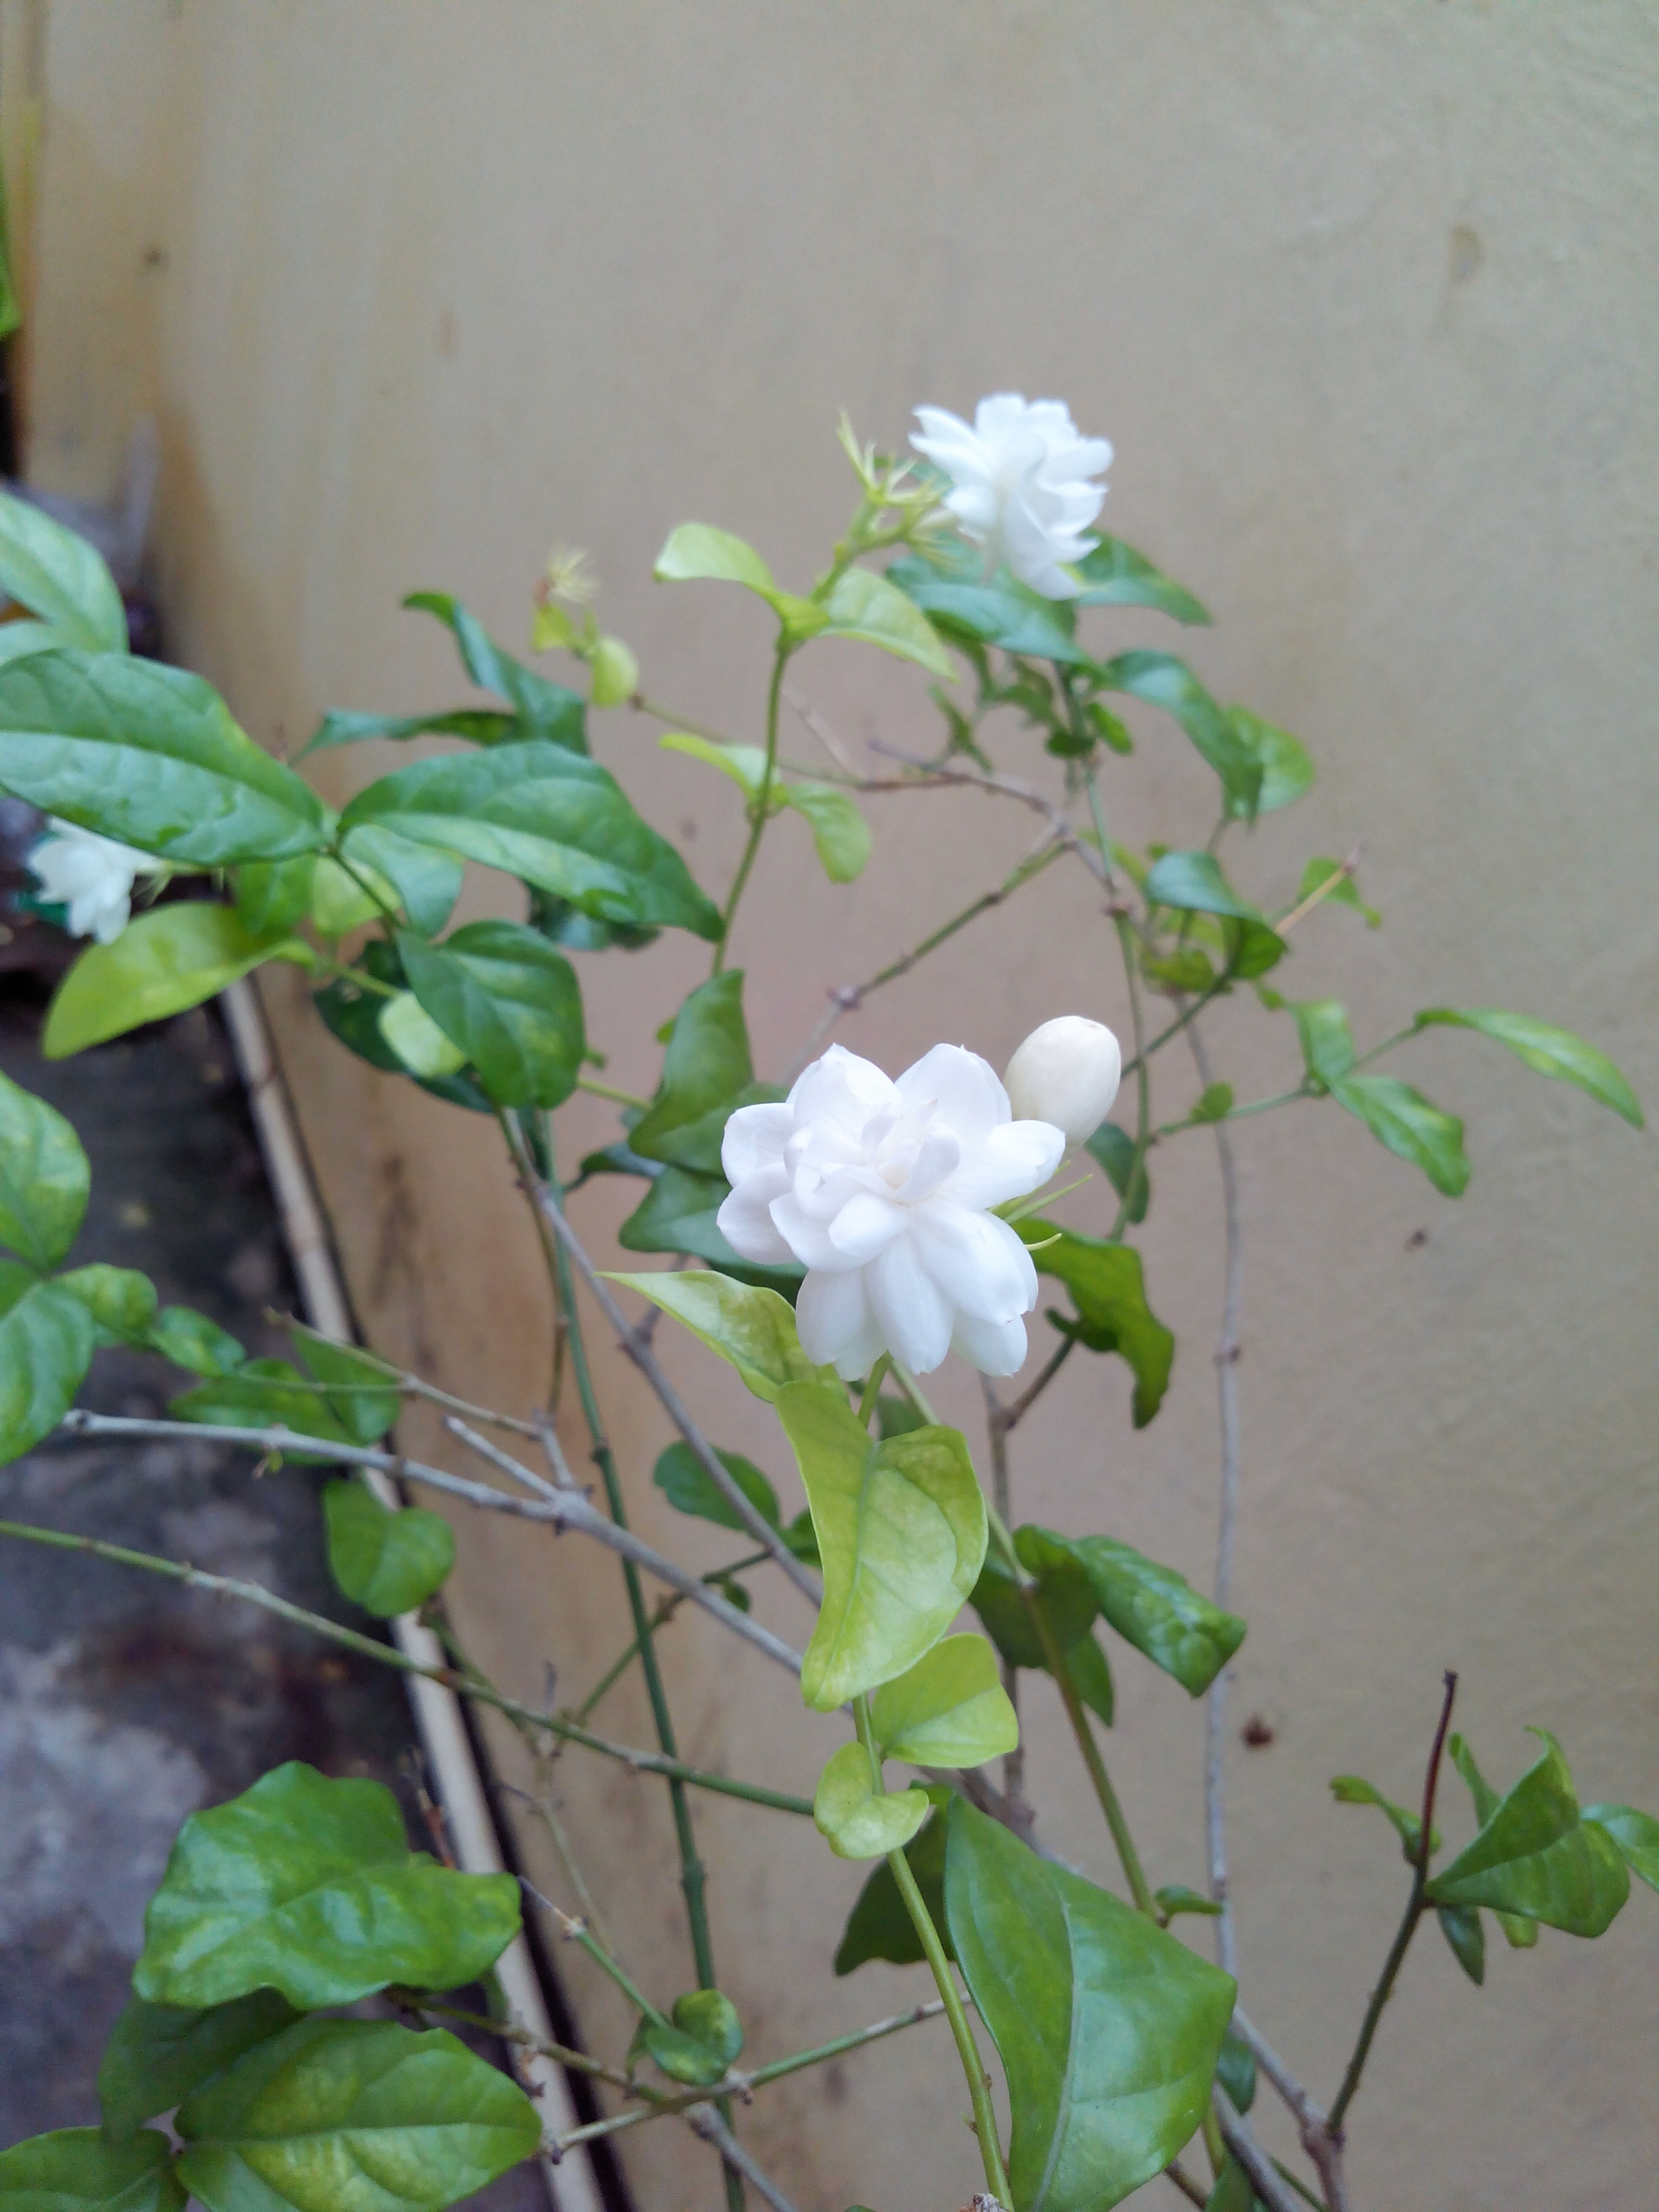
<point>1022,487</point>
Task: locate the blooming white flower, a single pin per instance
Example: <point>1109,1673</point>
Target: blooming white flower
<point>1067,1072</point>
<point>91,876</point>
<point>880,1190</point>
<point>1021,478</point>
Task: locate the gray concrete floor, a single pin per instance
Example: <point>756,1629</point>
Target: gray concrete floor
<point>124,1702</point>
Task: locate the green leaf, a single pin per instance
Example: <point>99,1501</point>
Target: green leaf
<point>78,2170</point>
<point>1534,1856</point>
<point>548,816</point>
<point>149,755</point>
<point>420,1045</point>
<point>901,1529</point>
<point>1287,774</point>
<point>707,1073</point>
<point>1520,1934</point>
<point>1354,1790</point>
<point>308,1886</point>
<point>1637,1835</point>
<point>1235,2068</point>
<point>57,574</point>
<point>703,2043</point>
<point>46,1339</point>
<point>1412,1128</point>
<point>681,1214</point>
<point>1547,1051</point>
<point>425,880</point>
<point>1186,970</point>
<point>1213,1103</point>
<point>840,833</point>
<point>1462,1926</point>
<point>1232,2191</point>
<point>615,672</point>
<point>880,1925</point>
<point>1108,1289</point>
<point>1176,1898</point>
<point>1115,575</point>
<point>273,896</point>
<point>263,1394</point>
<point>949,1710</point>
<point>697,550</point>
<point>752,1329</point>
<point>853,1818</point>
<point>121,1301</point>
<point>157,2054</point>
<point>479,726</point>
<point>1163,681</point>
<point>1064,1594</point>
<point>863,605</point>
<point>45,1179</point>
<point>1346,893</point>
<point>1091,1675</point>
<point>1115,1150</point>
<point>1157,1610</point>
<point>171,958</point>
<point>1327,1045</point>
<point>746,765</point>
<point>690,1488</point>
<point>353,2115</point>
<point>1194,884</point>
<point>342,899</point>
<point>351,1012</point>
<point>190,1340</point>
<point>510,1001</point>
<point>950,586</point>
<point>1109,2029</point>
<point>387,1563</point>
<point>543,709</point>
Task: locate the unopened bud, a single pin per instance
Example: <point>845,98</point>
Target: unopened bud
<point>1066,1073</point>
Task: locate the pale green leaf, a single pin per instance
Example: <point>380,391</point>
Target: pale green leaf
<point>840,832</point>
<point>949,1710</point>
<point>171,958</point>
<point>752,1329</point>
<point>1637,1835</point>
<point>863,605</point>
<point>415,1038</point>
<point>697,550</point>
<point>702,2041</point>
<point>57,574</point>
<point>854,1819</point>
<point>1547,1051</point>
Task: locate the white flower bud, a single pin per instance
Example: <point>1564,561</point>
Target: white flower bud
<point>1066,1073</point>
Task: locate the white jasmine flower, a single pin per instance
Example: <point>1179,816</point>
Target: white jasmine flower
<point>881,1191</point>
<point>1066,1072</point>
<point>89,875</point>
<point>1022,478</point>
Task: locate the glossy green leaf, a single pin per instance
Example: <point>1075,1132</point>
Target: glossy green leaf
<point>1347,892</point>
<point>751,1328</point>
<point>952,588</point>
<point>901,1529</point>
<point>421,1046</point>
<point>703,2043</point>
<point>388,1563</point>
<point>190,1340</point>
<point>308,1886</point>
<point>1114,1148</point>
<point>1462,1926</point>
<point>1091,1675</point>
<point>1520,1934</point>
<point>425,879</point>
<point>509,1000</point>
<point>1115,575</point>
<point>1162,681</point>
<point>273,896</point>
<point>1194,884</point>
<point>148,755</point>
<point>949,1710</point>
<point>46,1339</point>
<point>681,1214</point>
<point>1354,1790</point>
<point>45,1179</point>
<point>545,814</point>
<point>864,606</point>
<point>1064,1592</point>
<point>1109,1290</point>
<point>1109,2029</point>
<point>80,2170</point>
<point>157,2054</point>
<point>1287,772</point>
<point>351,1012</point>
<point>690,1488</point>
<point>854,1819</point>
<point>697,550</point>
<point>58,576</point>
<point>121,1301</point>
<point>171,958</point>
<point>841,835</point>
<point>1637,1835</point>
<point>707,1073</point>
<point>1175,1899</point>
<point>353,2115</point>
<point>1534,1856</point>
<point>1411,1128</point>
<point>543,709</point>
<point>1159,1611</point>
<point>880,1925</point>
<point>479,726</point>
<point>1547,1051</point>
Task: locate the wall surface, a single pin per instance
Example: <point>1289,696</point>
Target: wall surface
<point>1365,299</point>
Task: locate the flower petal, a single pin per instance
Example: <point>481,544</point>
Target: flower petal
<point>914,1314</point>
<point>995,1347</point>
<point>839,1093</point>
<point>836,1324</point>
<point>966,1090</point>
<point>937,1156</point>
<point>808,1239</point>
<point>866,1225</point>
<point>746,1221</point>
<point>1013,1161</point>
<point>977,1261</point>
<point>755,1137</point>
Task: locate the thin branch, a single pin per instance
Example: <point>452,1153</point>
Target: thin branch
<point>415,1385</point>
<point>1192,2190</point>
<point>1332,882</point>
<point>1321,2142</point>
<point>1014,1415</point>
<point>703,2120</point>
<point>1264,2175</point>
<point>502,1461</point>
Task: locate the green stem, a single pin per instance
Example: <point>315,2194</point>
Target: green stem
<point>1163,1036</point>
<point>388,914</point>
<point>762,803</point>
<point>577,1931</point>
<point>465,1685</point>
<point>609,1091</point>
<point>872,1388</point>
<point>1400,1036</point>
<point>979,2082</point>
<point>360,976</point>
<point>667,1609</point>
<point>1236,1113</point>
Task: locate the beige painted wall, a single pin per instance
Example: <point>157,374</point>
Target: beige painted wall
<point>1366,298</point>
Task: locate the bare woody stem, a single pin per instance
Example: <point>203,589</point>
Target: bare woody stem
<point>464,1684</point>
